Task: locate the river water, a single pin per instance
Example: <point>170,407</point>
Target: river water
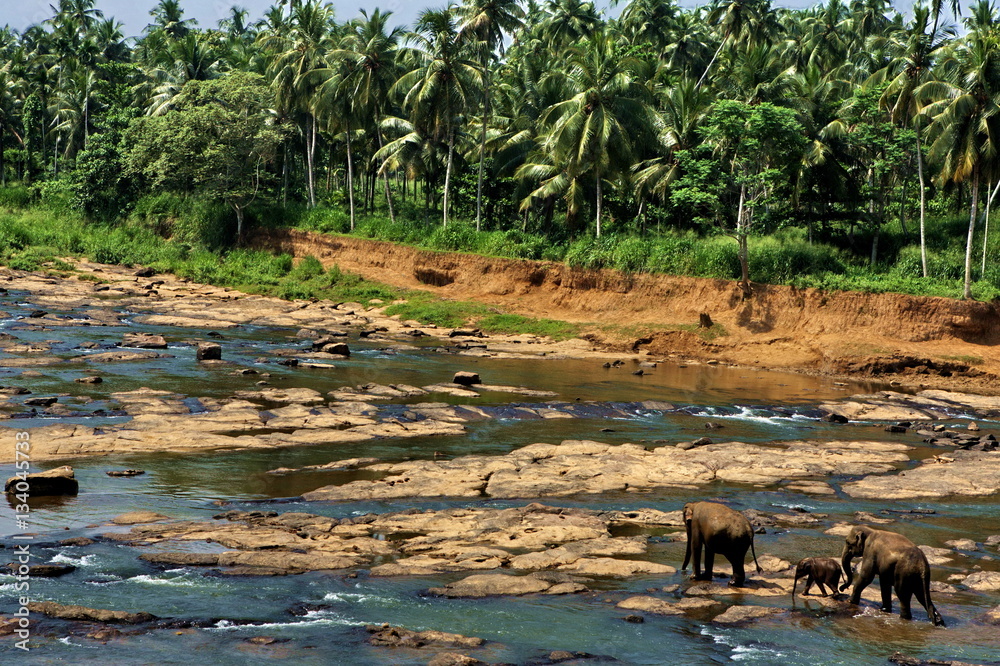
<point>753,406</point>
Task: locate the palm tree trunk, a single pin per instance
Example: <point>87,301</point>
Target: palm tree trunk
<point>284,175</point>
<point>986,228</point>
<point>711,62</point>
<point>923,204</point>
<point>447,174</point>
<point>239,222</point>
<point>385,175</point>
<point>310,157</point>
<point>967,293</point>
<point>350,176</point>
<point>482,152</point>
<point>598,205</point>
<point>742,234</point>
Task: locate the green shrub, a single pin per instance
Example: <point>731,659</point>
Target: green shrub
<point>15,197</point>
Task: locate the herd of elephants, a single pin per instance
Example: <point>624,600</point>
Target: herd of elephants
<point>896,560</point>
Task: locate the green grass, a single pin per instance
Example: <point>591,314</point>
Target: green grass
<point>33,239</point>
<point>516,324</point>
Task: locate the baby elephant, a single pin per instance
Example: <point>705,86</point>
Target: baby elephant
<point>819,570</point>
<point>897,562</point>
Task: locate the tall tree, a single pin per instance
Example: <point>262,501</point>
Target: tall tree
<point>484,24</point>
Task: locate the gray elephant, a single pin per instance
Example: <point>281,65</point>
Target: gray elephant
<point>822,571</point>
<point>897,562</point>
<point>718,529</point>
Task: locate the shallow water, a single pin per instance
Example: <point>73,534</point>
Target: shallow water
<point>752,405</point>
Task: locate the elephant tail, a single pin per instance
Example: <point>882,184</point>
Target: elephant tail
<point>932,610</point>
<point>754,553</point>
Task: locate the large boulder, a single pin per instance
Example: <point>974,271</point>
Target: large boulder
<point>209,351</point>
<point>58,481</point>
<point>467,378</point>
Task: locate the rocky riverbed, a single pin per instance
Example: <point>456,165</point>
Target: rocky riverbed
<point>350,470</point>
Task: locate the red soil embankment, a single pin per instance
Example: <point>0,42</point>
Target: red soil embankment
<point>778,327</point>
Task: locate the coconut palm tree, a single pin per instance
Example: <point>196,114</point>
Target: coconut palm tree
<point>367,60</point>
<point>912,67</point>
<point>484,23</point>
<point>590,133</point>
<point>445,81</point>
<point>965,124</point>
<point>298,53</point>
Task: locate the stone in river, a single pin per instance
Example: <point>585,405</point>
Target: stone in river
<point>467,378</point>
<point>125,472</point>
<point>89,380</point>
<point>70,612</point>
<point>58,481</point>
<point>144,341</point>
<point>41,402</point>
<point>45,570</point>
<point>209,351</point>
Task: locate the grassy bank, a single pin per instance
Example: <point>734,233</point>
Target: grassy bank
<point>43,222</point>
<point>35,239</point>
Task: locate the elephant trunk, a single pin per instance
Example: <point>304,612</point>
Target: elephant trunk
<point>687,549</point>
<point>800,571</point>
<point>845,563</point>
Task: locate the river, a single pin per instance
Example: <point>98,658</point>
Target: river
<point>753,406</point>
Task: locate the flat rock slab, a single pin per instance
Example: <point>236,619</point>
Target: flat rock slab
<point>585,467</point>
<point>138,518</point>
<point>82,613</point>
<point>657,606</point>
<point>924,406</point>
<point>533,539</point>
<point>744,614</point>
<point>972,473</point>
<point>491,585</point>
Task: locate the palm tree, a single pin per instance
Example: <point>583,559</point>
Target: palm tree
<point>591,132</point>
<point>739,18</point>
<point>484,23</point>
<point>569,21</point>
<point>682,108</point>
<point>168,17</point>
<point>966,117</point>
<point>649,21</point>
<point>911,68</point>
<point>299,52</point>
<point>368,55</point>
<point>442,85</point>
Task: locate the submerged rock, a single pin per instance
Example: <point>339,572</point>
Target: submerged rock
<point>144,341</point>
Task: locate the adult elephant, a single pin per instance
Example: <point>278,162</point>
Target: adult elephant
<point>822,571</point>
<point>897,562</point>
<point>718,529</point>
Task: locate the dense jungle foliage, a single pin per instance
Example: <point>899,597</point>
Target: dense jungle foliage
<point>843,146</point>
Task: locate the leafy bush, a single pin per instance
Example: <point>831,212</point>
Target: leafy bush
<point>14,197</point>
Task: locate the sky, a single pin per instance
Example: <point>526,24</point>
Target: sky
<point>135,13</point>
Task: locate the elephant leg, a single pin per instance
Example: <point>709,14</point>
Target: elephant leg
<point>822,588</point>
<point>709,562</point>
<point>862,579</point>
<point>885,582</point>
<point>904,591</point>
<point>739,571</point>
<point>696,556</point>
<point>809,583</point>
